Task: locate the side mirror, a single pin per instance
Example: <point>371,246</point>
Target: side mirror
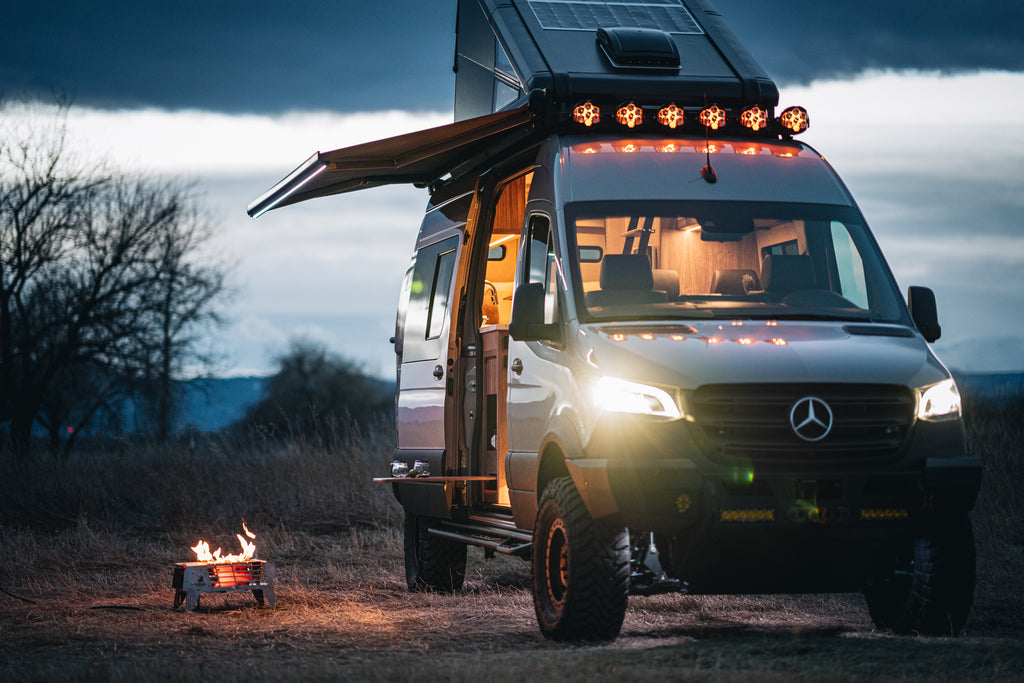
<point>921,301</point>
<point>528,315</point>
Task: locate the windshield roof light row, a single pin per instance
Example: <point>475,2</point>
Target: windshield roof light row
<point>791,121</point>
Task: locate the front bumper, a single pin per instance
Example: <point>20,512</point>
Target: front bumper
<point>670,496</point>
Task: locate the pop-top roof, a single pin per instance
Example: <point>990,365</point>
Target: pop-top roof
<point>506,48</point>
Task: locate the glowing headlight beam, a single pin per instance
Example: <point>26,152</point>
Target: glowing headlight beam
<point>622,396</point>
<point>939,402</point>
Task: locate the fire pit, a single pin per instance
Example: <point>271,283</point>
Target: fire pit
<point>215,574</point>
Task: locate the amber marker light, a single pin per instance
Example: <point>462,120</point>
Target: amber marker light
<point>630,115</point>
<point>712,117</point>
<point>754,118</point>
<point>671,116</point>
<point>795,119</point>
<point>586,114</point>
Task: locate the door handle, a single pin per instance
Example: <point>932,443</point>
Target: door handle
<point>438,373</point>
<point>517,367</point>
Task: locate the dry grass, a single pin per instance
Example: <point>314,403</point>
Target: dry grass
<point>92,543</point>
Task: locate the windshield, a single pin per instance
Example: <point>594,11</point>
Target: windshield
<point>645,260</point>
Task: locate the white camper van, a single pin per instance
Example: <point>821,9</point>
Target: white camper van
<point>646,339</point>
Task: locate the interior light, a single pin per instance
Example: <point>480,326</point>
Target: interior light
<point>502,240</point>
<point>671,116</point>
<point>669,147</point>
<point>712,117</point>
<point>778,341</point>
<point>629,115</point>
<point>754,118</point>
<point>586,114</point>
<point>939,402</point>
<point>795,119</point>
<point>622,396</point>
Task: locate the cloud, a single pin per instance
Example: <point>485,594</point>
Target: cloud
<point>232,55</point>
<point>936,175</point>
<point>806,40</point>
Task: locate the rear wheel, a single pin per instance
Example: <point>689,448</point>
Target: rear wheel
<point>432,562</point>
<point>580,569</point>
<point>932,592</point>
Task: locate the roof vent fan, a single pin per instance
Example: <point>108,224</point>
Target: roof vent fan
<point>638,48</point>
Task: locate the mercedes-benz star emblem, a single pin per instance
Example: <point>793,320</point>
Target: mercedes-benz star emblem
<point>811,418</point>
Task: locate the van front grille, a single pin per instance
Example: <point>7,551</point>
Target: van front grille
<point>754,423</point>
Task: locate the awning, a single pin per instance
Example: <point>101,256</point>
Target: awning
<point>418,158</point>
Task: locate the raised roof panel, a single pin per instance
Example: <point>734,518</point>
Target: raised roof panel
<point>553,46</point>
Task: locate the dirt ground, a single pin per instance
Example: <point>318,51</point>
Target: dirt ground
<point>85,605</point>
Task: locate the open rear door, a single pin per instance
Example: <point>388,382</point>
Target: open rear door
<point>418,158</point>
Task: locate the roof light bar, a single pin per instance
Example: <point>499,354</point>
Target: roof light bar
<point>795,119</point>
<point>629,115</point>
<point>586,114</point>
<point>754,118</point>
<point>671,116</point>
<point>712,117</point>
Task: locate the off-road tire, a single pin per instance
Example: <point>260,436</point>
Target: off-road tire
<point>934,595</point>
<point>580,569</point>
<point>432,562</point>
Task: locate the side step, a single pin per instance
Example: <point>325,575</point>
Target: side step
<point>502,540</point>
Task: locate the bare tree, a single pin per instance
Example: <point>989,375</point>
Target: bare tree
<point>102,285</point>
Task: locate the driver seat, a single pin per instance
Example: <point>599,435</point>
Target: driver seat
<point>785,273</point>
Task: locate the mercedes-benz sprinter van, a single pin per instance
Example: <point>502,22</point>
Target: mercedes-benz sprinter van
<point>646,339</point>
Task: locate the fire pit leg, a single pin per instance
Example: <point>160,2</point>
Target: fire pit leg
<point>179,597</point>
<point>192,601</point>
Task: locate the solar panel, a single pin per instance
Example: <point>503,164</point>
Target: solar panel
<point>589,15</point>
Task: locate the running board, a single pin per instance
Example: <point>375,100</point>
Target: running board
<point>504,541</point>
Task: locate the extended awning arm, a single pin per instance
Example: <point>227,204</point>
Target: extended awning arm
<point>419,158</point>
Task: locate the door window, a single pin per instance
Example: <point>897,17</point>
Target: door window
<point>429,291</point>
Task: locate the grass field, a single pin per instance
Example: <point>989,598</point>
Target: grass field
<point>88,548</point>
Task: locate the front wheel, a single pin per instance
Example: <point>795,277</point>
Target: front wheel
<point>580,569</point>
<point>933,592</point>
<point>432,562</point>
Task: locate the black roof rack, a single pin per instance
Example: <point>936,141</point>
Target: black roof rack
<point>677,51</point>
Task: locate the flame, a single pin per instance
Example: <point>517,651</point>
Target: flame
<point>203,554</point>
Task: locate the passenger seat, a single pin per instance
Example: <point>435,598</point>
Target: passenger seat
<point>626,279</point>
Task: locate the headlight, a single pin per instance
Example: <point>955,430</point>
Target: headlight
<point>621,396</point>
<point>939,402</point>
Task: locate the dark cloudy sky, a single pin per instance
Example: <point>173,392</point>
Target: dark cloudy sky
<point>269,56</point>
<point>916,104</point>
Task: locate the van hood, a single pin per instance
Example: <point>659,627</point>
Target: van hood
<point>694,353</point>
